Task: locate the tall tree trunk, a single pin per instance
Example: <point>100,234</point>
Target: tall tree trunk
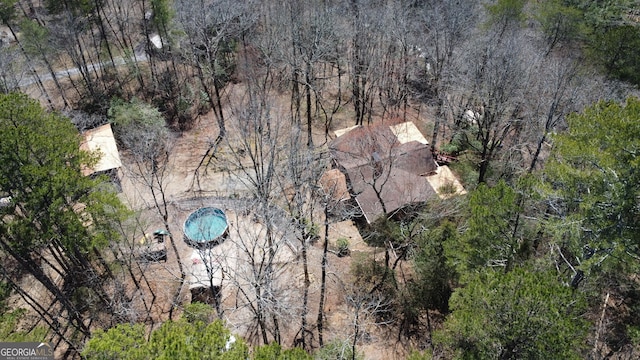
<point>124,40</point>
<point>54,77</point>
<point>534,160</point>
<point>309,115</point>
<point>356,332</point>
<point>436,122</point>
<point>305,295</point>
<point>323,276</point>
<point>105,38</point>
<point>356,81</point>
<point>272,255</point>
<point>260,314</point>
<point>160,202</point>
<point>29,265</point>
<point>222,131</point>
<point>33,70</point>
<point>46,61</point>
<point>43,312</point>
<point>484,167</point>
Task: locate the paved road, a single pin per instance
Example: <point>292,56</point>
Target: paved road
<point>139,56</point>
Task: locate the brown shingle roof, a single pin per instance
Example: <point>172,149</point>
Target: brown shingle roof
<point>375,161</point>
<point>356,147</point>
<point>402,188</point>
<point>334,184</point>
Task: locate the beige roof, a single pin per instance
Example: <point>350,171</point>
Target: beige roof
<point>341,132</point>
<point>156,41</point>
<point>101,139</point>
<point>442,177</point>
<point>407,132</point>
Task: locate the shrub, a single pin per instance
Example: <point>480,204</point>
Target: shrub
<point>448,188</point>
<point>342,245</point>
<point>336,350</point>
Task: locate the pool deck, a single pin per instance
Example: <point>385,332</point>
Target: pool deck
<point>206,268</point>
<point>233,260</point>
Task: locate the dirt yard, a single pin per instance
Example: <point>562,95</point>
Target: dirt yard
<point>185,193</point>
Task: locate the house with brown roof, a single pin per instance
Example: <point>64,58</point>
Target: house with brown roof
<point>388,166</point>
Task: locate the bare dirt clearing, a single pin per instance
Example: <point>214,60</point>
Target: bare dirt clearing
<point>214,186</point>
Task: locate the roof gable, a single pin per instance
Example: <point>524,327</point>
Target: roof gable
<point>101,139</point>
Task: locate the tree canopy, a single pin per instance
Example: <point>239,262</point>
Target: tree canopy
<point>191,337</point>
<point>550,217</point>
<point>173,340</point>
<point>53,210</point>
<point>595,175</point>
<point>41,172</point>
<point>9,319</point>
<point>609,31</point>
<point>522,314</point>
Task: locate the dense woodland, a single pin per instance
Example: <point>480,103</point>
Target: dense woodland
<point>536,100</point>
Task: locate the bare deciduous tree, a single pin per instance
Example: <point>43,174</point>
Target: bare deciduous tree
<point>367,310</point>
<point>441,29</point>
<point>494,86</point>
<point>256,274</point>
<point>140,128</point>
<point>255,152</point>
<point>365,53</point>
<point>554,93</point>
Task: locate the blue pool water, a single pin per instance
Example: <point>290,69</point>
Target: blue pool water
<point>205,225</point>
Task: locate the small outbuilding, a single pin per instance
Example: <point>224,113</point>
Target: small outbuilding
<point>205,276</point>
<point>101,139</point>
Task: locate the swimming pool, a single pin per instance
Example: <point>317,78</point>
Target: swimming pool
<point>205,226</point>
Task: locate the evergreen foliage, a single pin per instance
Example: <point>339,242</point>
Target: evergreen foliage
<point>523,314</point>
<point>180,339</point>
<point>506,11</point>
<point>54,209</point>
<point>489,240</point>
<point>434,274</point>
<point>7,10</point>
<point>139,127</point>
<point>10,319</point>
<point>336,350</point>
<point>609,31</point>
<point>595,175</point>
<point>187,338</point>
<point>560,23</point>
<point>41,171</point>
<point>124,341</point>
<point>275,352</point>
